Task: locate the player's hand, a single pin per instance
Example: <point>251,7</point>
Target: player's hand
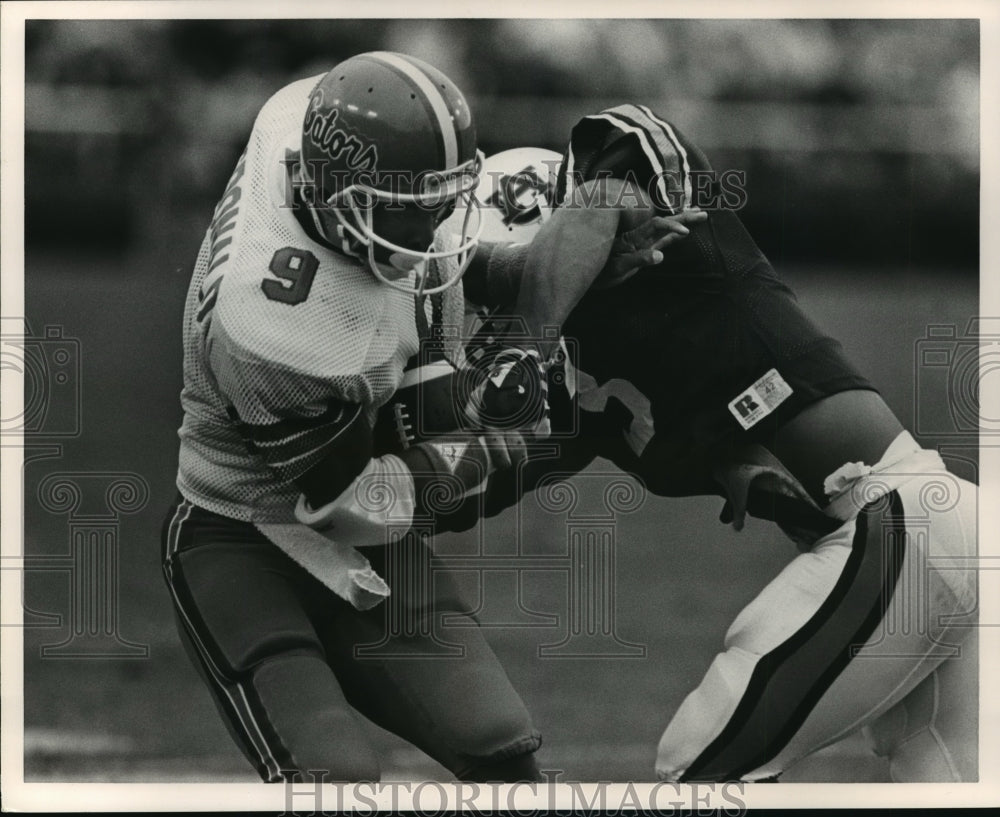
<point>641,241</point>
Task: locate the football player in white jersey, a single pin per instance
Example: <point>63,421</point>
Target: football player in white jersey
<point>296,553</point>
<point>705,377</point>
<point>308,298</point>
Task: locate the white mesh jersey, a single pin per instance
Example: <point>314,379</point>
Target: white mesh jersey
<point>279,333</point>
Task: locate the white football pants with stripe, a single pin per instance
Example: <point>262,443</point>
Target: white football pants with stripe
<point>870,629</point>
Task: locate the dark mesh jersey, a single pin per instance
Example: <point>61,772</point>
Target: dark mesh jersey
<point>702,353</point>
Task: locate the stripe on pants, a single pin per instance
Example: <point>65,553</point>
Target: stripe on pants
<point>789,681</point>
<point>233,695</point>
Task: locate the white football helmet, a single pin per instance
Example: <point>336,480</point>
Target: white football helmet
<point>515,195</point>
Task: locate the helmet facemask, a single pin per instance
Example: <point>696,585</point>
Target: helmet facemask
<point>355,205</point>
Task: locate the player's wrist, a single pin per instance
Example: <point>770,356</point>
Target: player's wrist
<point>464,458</point>
<point>445,470</point>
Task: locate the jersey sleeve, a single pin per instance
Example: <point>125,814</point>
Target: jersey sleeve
<point>597,138</point>
<point>263,391</point>
<point>308,429</point>
<point>321,454</point>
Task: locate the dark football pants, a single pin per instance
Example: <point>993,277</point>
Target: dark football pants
<point>290,665</point>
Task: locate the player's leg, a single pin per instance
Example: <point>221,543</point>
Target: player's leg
<point>928,540</point>
<point>441,689</point>
<point>238,603</point>
<point>932,735</point>
<point>843,634</point>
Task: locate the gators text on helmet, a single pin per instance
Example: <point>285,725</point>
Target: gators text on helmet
<point>386,129</point>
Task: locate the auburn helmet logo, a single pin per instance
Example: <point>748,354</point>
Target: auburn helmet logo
<point>520,196</point>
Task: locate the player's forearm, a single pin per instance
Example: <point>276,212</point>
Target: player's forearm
<point>562,263</point>
<point>429,482</point>
<point>547,278</point>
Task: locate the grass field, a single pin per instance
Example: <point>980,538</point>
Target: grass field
<point>681,576</point>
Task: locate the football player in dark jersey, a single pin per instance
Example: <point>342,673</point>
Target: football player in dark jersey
<point>702,375</point>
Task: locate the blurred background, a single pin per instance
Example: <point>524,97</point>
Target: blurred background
<point>860,144</point>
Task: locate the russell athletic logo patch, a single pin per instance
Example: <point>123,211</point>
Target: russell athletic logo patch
<point>763,397</point>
